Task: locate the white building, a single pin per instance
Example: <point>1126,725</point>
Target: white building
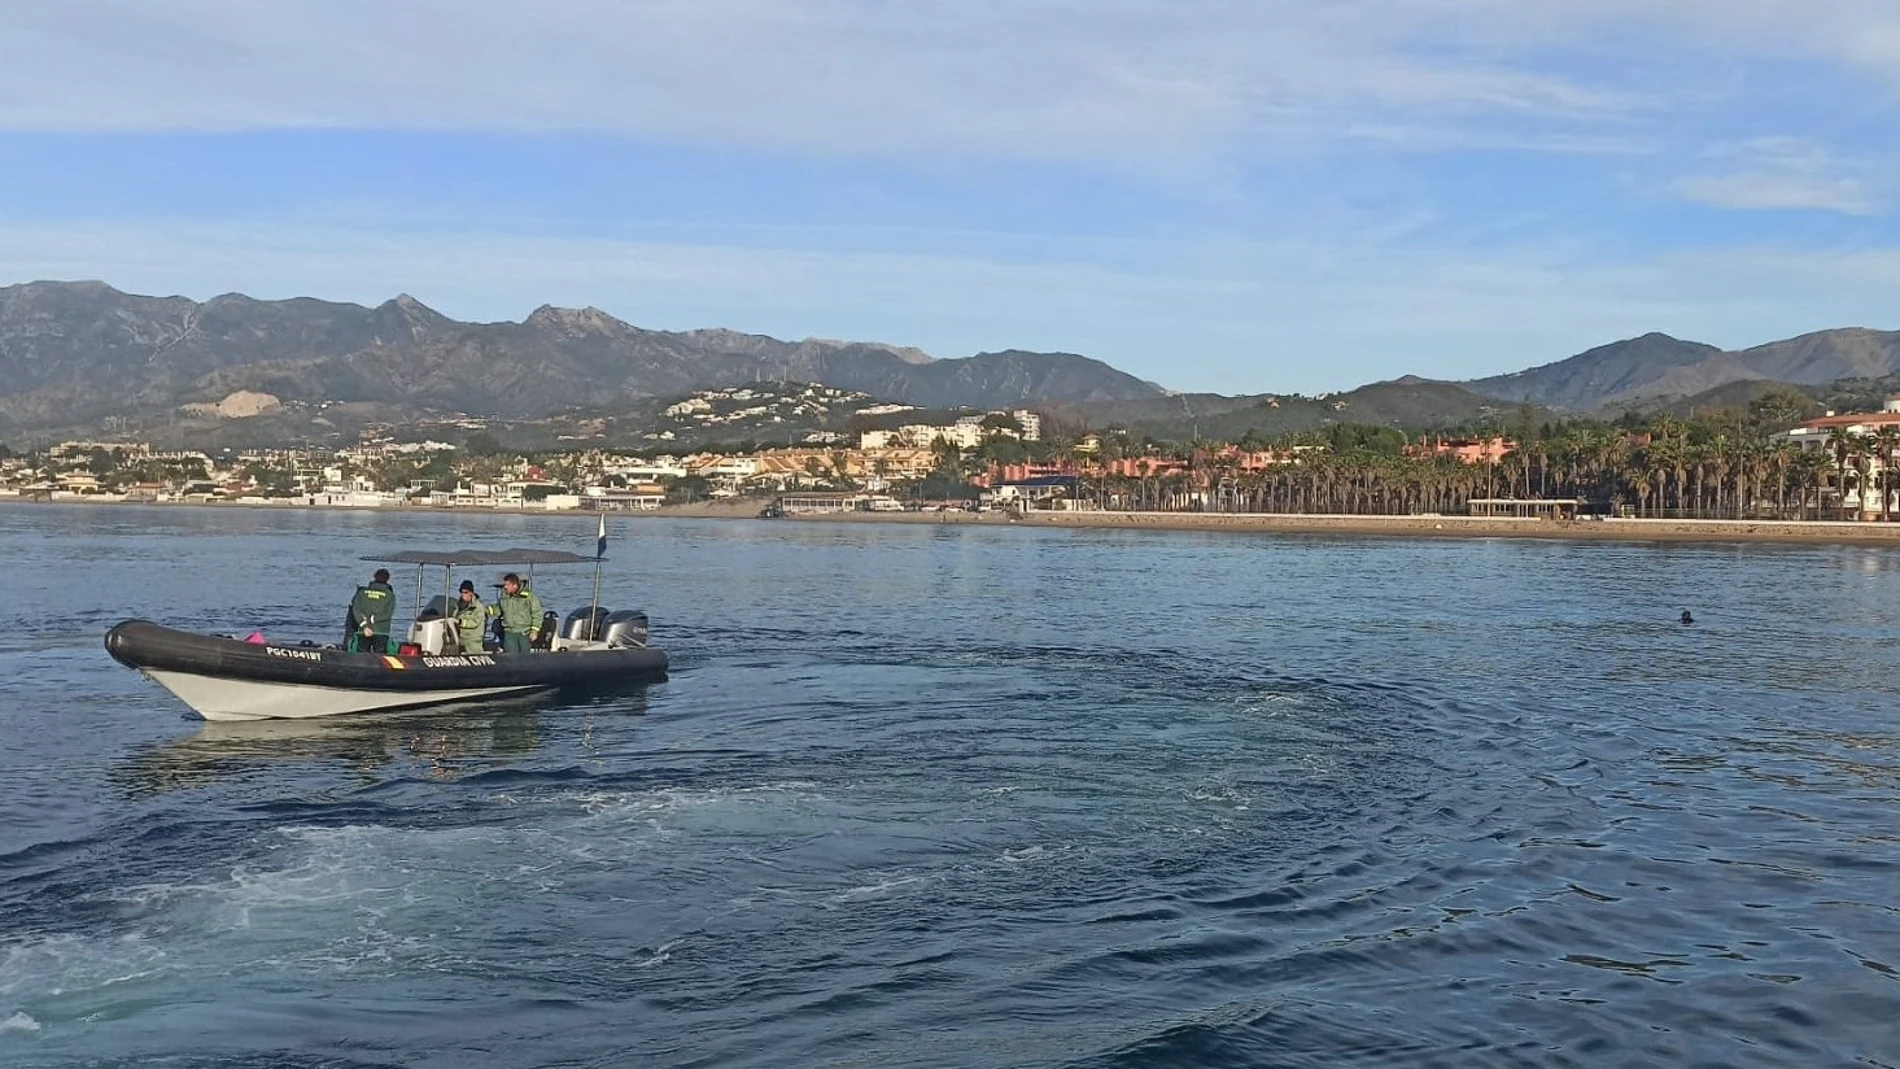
<point>336,497</point>
<point>1816,433</point>
<point>1819,435</point>
<point>649,471</point>
<point>963,435</point>
<point>640,496</point>
<point>1031,424</point>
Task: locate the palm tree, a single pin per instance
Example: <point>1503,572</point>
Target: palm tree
<point>1886,443</point>
<point>1840,446</point>
<point>1863,456</point>
<point>1664,456</point>
<point>1813,467</point>
<point>1637,476</point>
<point>1782,458</point>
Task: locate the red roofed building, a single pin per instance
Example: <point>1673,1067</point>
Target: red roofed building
<point>1855,440</point>
<point>1467,450</point>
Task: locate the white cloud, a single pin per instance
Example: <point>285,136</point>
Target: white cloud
<point>1159,84</point>
<point>1115,80</point>
<point>1784,173</point>
<point>1771,190</point>
<point>1299,315</point>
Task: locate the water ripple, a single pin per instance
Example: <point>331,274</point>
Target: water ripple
<point>957,798</point>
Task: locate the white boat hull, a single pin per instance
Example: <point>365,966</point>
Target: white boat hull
<point>225,699</point>
<point>229,679</point>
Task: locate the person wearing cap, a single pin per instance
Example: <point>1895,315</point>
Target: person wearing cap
<point>520,613</point>
<point>471,618</point>
<point>371,610</point>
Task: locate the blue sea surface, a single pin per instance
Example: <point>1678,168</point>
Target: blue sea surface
<point>946,795</point>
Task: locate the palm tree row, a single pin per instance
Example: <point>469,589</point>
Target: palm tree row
<point>1673,469</point>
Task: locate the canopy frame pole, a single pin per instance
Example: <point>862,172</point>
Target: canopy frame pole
<point>593,614</point>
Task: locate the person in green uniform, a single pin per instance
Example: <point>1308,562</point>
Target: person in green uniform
<point>520,613</point>
<point>371,611</point>
<point>471,618</point>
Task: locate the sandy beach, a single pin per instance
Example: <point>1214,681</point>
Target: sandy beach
<point>1619,530</point>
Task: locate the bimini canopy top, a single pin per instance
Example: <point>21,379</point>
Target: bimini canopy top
<point>481,558</point>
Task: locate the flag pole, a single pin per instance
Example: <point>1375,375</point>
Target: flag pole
<point>600,554</point>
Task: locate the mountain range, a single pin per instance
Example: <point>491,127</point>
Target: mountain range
<point>73,353</point>
<point>1658,369</point>
<point>75,356</point>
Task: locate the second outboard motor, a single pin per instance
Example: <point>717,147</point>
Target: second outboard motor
<point>627,629</point>
<point>579,628</point>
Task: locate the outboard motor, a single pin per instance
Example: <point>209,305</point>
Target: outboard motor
<point>585,624</point>
<point>549,621</point>
<point>626,629</point>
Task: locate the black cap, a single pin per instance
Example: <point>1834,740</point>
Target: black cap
<point>468,586</point>
<point>381,576</point>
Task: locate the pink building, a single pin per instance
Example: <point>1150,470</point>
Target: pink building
<point>1466,450</point>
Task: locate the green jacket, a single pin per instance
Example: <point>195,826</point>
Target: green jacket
<point>471,620</point>
<point>520,612</point>
<point>374,605</point>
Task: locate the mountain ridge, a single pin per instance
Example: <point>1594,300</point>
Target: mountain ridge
<point>1589,377</point>
<point>78,352</point>
<point>77,355</point>
<point>1657,369</point>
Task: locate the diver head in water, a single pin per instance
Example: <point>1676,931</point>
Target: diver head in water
<point>1686,618</point>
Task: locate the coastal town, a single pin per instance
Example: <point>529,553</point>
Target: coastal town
<point>1754,464</point>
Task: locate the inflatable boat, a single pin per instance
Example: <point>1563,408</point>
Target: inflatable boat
<point>225,678</point>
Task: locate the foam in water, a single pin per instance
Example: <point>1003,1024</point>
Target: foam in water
<point>879,889</point>
<point>675,799</point>
<point>57,964</point>
<point>19,1022</point>
<point>1219,794</point>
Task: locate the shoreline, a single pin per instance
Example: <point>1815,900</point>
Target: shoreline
<point>1795,532</point>
<point>1802,532</point>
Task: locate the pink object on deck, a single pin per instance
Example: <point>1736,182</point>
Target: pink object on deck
<point>256,637</point>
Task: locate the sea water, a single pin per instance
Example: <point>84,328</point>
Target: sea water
<point>943,795</point>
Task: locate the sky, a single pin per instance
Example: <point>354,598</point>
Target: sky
<point>1239,196</point>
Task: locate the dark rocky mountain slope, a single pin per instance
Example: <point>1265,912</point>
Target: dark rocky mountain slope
<point>72,353</point>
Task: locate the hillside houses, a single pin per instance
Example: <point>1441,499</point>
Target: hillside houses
<point>965,432</point>
<point>387,475</point>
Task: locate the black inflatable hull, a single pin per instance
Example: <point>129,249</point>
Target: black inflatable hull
<point>226,679</point>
